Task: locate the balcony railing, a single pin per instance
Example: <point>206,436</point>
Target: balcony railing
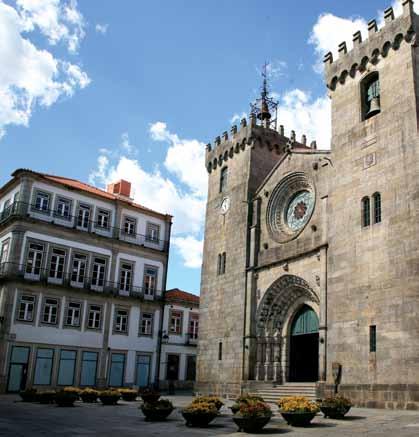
<point>33,274</point>
<point>191,339</point>
<point>22,209</point>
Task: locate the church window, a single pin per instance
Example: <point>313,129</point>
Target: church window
<point>220,351</point>
<point>373,338</point>
<point>221,266</point>
<point>370,94</point>
<point>366,212</point>
<point>377,207</point>
<point>223,179</point>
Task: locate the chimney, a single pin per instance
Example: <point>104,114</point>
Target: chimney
<point>121,188</point>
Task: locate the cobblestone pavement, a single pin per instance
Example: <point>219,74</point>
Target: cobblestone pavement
<point>24,419</point>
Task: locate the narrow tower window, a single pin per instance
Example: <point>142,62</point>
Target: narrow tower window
<point>373,338</point>
<point>370,94</point>
<point>366,212</point>
<point>377,207</point>
<point>220,351</point>
<point>223,179</point>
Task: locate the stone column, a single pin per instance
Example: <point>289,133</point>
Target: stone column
<point>268,358</point>
<point>284,358</point>
<point>258,361</point>
<point>323,316</point>
<point>277,360</point>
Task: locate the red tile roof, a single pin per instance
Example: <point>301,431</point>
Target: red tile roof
<point>81,186</point>
<point>176,295</point>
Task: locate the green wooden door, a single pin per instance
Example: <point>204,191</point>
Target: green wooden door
<point>306,322</point>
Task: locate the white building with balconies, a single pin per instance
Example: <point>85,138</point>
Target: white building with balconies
<point>82,278</point>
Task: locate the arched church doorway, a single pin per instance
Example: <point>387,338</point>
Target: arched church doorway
<point>304,346</point>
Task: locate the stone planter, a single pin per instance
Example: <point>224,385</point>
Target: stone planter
<point>150,398</point>
<point>109,399</point>
<point>298,419</point>
<point>251,424</point>
<point>88,397</point>
<point>63,399</point>
<point>46,397</point>
<point>129,397</point>
<point>29,395</point>
<point>337,412</point>
<point>153,414</point>
<point>198,420</point>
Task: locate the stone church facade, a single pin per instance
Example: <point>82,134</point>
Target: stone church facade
<point>311,257</point>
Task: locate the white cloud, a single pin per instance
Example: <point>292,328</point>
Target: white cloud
<point>58,20</point>
<point>298,111</point>
<point>237,117</point>
<point>185,158</point>
<point>190,249</point>
<point>126,145</point>
<point>30,76</point>
<point>275,69</point>
<point>184,162</point>
<point>101,28</point>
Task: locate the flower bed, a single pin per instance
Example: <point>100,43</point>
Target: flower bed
<point>89,395</point>
<point>244,399</point>
<point>149,395</point>
<point>157,411</point>
<point>109,397</point>
<point>128,394</point>
<point>29,395</point>
<point>215,400</point>
<point>335,407</point>
<point>252,416</point>
<point>199,414</point>
<point>65,398</point>
<point>297,410</point>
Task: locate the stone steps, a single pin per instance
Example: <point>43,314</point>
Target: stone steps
<point>272,394</point>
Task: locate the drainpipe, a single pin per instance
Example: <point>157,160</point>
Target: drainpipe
<point>159,339</point>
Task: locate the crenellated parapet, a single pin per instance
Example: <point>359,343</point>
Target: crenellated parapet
<point>252,134</point>
<point>395,32</point>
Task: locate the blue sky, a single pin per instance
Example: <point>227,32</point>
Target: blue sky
<point>102,89</point>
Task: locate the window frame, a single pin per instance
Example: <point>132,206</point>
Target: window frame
<point>115,329</point>
<point>58,310</point>
<point>365,212</point>
<point>145,275</point>
<point>131,276</point>
<point>133,221</point>
<point>5,249</point>
<point>49,195</point>
<point>58,199</point>
<point>73,283</point>
<point>151,325</point>
<point>108,212</point>
<point>365,82</point>
<point>53,248</point>
<point>377,208</point>
<point>171,315</point>
<point>34,311</point>
<point>66,314</point>
<point>150,226</point>
<point>32,275</point>
<point>223,179</point>
<point>85,207</point>
<point>101,311</point>
<point>92,269</point>
<point>193,316</point>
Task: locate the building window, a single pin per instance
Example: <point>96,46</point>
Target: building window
<point>176,318</point>
<point>56,270</point>
<point>103,219</point>
<point>193,326</point>
<point>130,225</point>
<point>220,351</point>
<point>88,369</point>
<point>83,217</point>
<point>172,370</point>
<point>366,212</point>
<point>43,366</point>
<point>78,271</point>
<point>146,324</point>
<point>6,207</point>
<point>221,265</point>
<point>73,314</point>
<point>50,311</point>
<point>152,232</point>
<point>62,208</point>
<point>121,321</point>
<point>116,370</point>
<point>150,280</point>
<point>125,277</point>
<point>66,367</point>
<point>42,201</point>
<point>223,179</point>
<point>373,338</point>
<point>4,253</point>
<point>370,93</point>
<point>34,259</point>
<point>377,207</point>
<point>98,272</point>
<point>94,318</point>
<point>26,308</point>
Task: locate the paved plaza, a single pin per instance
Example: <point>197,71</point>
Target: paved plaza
<point>24,419</point>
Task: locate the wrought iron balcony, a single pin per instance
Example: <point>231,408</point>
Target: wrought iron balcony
<point>34,275</point>
<point>23,210</point>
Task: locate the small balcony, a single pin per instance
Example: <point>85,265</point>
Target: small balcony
<point>35,275</point>
<point>24,210</point>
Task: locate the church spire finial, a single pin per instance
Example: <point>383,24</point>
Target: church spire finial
<point>265,106</point>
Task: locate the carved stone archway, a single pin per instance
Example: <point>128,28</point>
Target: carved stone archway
<point>277,307</point>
